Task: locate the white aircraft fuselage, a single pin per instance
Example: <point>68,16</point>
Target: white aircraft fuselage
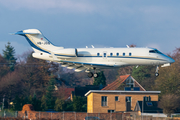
<point>91,59</point>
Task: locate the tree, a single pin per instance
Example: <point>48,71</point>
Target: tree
<point>34,74</point>
<point>4,68</point>
<point>111,75</point>
<point>17,103</point>
<point>9,55</point>
<point>10,85</point>
<point>145,75</point>
<point>77,104</point>
<point>43,103</point>
<point>35,102</point>
<point>169,103</point>
<point>168,80</point>
<point>59,105</point>
<point>50,100</point>
<point>101,79</point>
<point>69,106</point>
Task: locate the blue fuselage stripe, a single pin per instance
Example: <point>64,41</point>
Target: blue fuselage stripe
<point>124,57</point>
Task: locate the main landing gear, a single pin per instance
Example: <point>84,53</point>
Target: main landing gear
<point>157,69</point>
<point>90,75</point>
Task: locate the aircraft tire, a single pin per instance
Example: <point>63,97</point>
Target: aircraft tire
<point>90,74</point>
<point>95,75</point>
<point>156,74</point>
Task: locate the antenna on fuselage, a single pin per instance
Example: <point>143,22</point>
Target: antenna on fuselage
<point>127,46</point>
<point>92,46</point>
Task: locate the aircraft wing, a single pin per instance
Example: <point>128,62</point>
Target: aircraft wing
<point>80,66</point>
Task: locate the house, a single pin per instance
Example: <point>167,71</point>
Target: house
<point>149,107</point>
<point>104,101</point>
<point>64,93</point>
<point>121,95</point>
<point>80,91</point>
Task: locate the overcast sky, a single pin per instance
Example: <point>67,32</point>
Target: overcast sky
<point>102,23</point>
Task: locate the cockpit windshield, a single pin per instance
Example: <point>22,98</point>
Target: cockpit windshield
<point>155,51</point>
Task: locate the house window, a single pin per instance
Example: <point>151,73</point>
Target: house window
<point>110,111</point>
<point>116,98</point>
<point>124,54</point>
<point>149,103</point>
<point>103,100</point>
<point>128,99</point>
<point>130,54</point>
<point>117,54</point>
<point>98,54</point>
<point>111,54</point>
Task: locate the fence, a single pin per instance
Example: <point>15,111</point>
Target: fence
<point>8,113</point>
<point>71,115</point>
<point>77,116</point>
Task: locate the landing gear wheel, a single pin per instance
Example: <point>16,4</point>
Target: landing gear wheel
<point>156,74</point>
<point>157,69</point>
<point>95,75</point>
<point>90,74</point>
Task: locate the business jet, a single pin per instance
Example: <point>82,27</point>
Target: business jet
<point>92,60</point>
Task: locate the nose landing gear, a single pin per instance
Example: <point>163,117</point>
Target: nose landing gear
<point>157,69</point>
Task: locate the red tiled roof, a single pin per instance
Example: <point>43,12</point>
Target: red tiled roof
<point>66,92</point>
<point>114,85</point>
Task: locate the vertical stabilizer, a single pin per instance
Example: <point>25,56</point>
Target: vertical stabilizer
<point>38,42</point>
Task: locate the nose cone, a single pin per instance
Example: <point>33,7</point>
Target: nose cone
<point>170,60</point>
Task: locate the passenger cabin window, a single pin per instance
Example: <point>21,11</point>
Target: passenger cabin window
<point>111,54</point>
<point>117,54</point>
<point>124,54</point>
<point>98,54</point>
<point>104,54</point>
<point>130,54</point>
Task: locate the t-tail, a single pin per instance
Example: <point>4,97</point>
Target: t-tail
<point>38,42</point>
<point>43,48</point>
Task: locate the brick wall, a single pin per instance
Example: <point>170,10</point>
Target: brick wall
<point>71,115</point>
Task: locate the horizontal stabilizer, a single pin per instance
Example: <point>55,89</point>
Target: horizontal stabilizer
<point>29,31</point>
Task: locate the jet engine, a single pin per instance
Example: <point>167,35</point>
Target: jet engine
<point>66,53</point>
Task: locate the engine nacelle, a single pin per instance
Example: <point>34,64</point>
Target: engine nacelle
<point>66,53</point>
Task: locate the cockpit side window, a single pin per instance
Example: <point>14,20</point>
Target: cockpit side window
<point>158,52</point>
<point>152,51</point>
<point>155,51</point>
